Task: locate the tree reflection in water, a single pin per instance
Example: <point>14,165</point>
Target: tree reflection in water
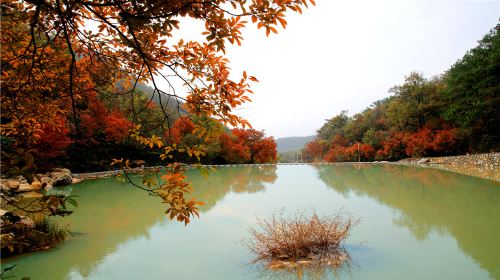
<point>303,271</point>
<point>110,214</point>
<point>429,200</point>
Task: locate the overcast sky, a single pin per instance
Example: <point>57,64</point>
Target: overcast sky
<point>344,55</point>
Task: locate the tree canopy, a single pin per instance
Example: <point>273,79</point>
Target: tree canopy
<point>456,112</point>
<point>62,60</point>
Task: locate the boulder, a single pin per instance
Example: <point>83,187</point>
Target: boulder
<point>61,178</point>
<point>47,187</point>
<point>13,184</point>
<point>32,194</point>
<point>4,187</point>
<point>36,185</point>
<point>423,160</point>
<point>76,180</point>
<point>62,170</point>
<point>21,179</point>
<point>25,187</point>
<point>46,180</point>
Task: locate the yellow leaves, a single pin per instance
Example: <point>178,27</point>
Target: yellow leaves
<point>151,141</point>
<point>116,162</point>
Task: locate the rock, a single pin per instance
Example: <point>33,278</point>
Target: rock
<point>25,187</point>
<point>76,180</point>
<point>31,194</point>
<point>423,160</point>
<point>62,170</point>
<point>13,184</point>
<point>27,222</point>
<point>48,187</point>
<point>36,185</point>
<point>21,179</point>
<point>46,180</point>
<point>4,187</point>
<point>61,178</point>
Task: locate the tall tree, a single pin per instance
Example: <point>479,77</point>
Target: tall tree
<point>333,126</point>
<point>473,91</point>
<point>416,101</point>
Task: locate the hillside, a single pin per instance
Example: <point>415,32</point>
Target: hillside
<point>286,144</point>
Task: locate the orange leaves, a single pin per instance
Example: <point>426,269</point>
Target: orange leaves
<point>173,191</point>
<point>66,72</point>
<point>248,146</point>
<point>117,127</point>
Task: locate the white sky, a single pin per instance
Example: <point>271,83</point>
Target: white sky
<point>344,55</point>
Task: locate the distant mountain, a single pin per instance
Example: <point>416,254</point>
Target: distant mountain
<point>286,144</point>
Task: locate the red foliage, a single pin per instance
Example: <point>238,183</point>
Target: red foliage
<point>117,127</point>
<point>355,152</point>
<point>367,152</point>
<point>248,145</point>
<point>419,143</point>
<point>445,140</point>
<point>182,127</point>
<point>93,119</point>
<point>265,151</point>
<point>98,124</point>
<point>393,147</point>
<point>234,150</point>
<point>339,141</point>
<point>315,150</point>
<point>54,139</point>
<point>336,153</point>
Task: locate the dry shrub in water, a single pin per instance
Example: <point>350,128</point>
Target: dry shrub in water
<point>301,241</point>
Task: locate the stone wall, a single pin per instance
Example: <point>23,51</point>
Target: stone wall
<point>485,166</point>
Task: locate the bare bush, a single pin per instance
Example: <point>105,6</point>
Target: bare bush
<point>301,241</point>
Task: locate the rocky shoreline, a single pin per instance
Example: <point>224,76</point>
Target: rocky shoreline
<point>20,185</point>
<point>486,166</point>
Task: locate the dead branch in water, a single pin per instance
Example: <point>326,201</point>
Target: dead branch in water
<point>301,243</point>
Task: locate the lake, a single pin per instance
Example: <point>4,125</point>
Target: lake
<point>415,223</point>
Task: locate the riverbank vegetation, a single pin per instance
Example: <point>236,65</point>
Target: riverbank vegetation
<point>453,113</point>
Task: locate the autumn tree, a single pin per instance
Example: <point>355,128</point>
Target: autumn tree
<point>55,52</point>
<point>248,146</point>
<point>416,101</point>
<point>315,150</point>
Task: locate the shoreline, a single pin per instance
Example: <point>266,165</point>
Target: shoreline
<point>485,166</point>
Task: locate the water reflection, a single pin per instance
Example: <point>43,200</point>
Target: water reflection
<point>429,200</point>
<point>121,233</point>
<point>300,272</point>
<point>110,215</point>
<point>244,179</point>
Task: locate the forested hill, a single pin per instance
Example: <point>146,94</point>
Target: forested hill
<point>454,113</point>
<point>293,143</point>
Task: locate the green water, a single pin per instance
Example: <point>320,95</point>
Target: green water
<point>415,224</point>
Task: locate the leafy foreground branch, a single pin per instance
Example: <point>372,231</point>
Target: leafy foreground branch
<point>301,244</point>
